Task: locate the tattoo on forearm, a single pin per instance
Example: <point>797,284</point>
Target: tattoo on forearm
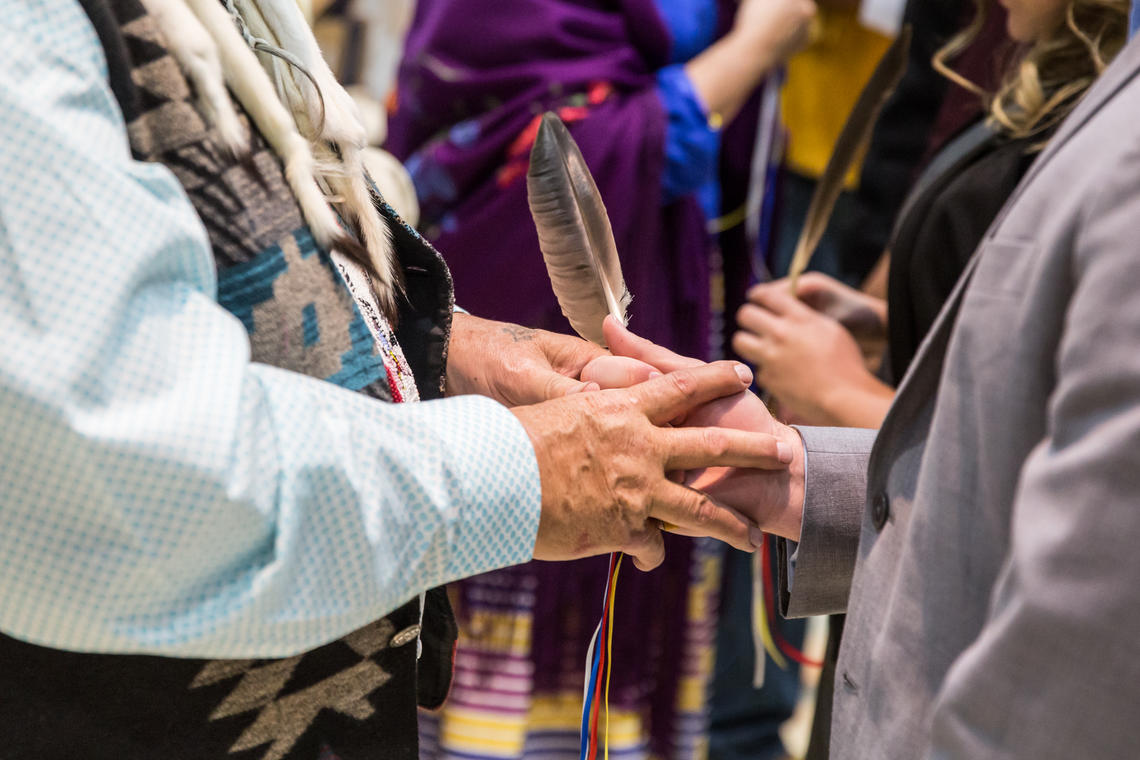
<point>518,334</point>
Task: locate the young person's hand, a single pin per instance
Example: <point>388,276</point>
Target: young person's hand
<point>604,460</point>
<point>808,361</point>
<point>772,498</point>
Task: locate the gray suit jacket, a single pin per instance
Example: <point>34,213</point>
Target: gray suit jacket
<point>987,548</point>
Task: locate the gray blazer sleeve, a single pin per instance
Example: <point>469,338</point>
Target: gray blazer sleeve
<point>815,574</point>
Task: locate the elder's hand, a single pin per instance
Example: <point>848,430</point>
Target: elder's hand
<point>807,360</point>
<point>514,365</point>
<point>636,359</point>
<point>771,498</point>
<point>603,459</point>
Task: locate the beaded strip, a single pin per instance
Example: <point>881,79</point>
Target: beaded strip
<point>401,381</point>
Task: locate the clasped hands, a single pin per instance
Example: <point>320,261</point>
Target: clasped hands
<point>629,442</point>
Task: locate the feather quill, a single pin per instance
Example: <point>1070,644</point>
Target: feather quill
<point>574,232</point>
<point>851,143</point>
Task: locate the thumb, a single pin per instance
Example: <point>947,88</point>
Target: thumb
<point>624,343</point>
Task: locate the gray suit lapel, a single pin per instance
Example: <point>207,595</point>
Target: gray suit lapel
<point>921,381</point>
<point>1120,73</point>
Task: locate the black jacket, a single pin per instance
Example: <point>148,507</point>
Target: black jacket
<point>939,228</point>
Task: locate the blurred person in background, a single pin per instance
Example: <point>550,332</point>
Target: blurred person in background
<point>807,350</point>
<point>823,82</point>
<point>925,111</point>
<point>645,87</point>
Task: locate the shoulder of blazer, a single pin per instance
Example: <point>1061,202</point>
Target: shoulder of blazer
<point>1116,76</point>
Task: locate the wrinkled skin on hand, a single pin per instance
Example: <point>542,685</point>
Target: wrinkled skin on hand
<point>772,498</point>
<point>514,365</point>
<point>603,459</point>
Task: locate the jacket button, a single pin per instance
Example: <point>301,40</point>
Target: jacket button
<point>880,510</point>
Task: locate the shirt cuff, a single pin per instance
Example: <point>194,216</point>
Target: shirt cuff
<point>495,479</point>
<point>692,143</point>
<point>815,573</point>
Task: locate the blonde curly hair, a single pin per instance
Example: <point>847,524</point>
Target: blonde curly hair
<point>1051,75</point>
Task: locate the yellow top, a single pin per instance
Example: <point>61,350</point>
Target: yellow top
<point>824,80</point>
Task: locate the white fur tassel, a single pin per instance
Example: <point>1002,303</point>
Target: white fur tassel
<point>204,39</point>
<point>251,84</point>
<point>194,49</point>
<point>352,185</point>
<point>281,23</point>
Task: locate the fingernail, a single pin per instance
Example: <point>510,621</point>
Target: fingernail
<point>744,374</point>
<point>654,374</point>
<point>591,387</point>
<point>783,452</point>
<point>756,536</point>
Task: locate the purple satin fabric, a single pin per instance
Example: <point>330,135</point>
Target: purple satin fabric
<point>474,77</point>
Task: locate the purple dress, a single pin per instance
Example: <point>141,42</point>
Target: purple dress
<point>475,79</point>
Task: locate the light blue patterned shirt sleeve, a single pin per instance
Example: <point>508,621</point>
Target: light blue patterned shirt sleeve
<point>159,492</point>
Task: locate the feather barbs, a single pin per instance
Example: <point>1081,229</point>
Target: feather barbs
<point>574,232</point>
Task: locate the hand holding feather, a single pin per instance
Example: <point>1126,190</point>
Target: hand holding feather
<point>514,365</point>
<point>621,437</point>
